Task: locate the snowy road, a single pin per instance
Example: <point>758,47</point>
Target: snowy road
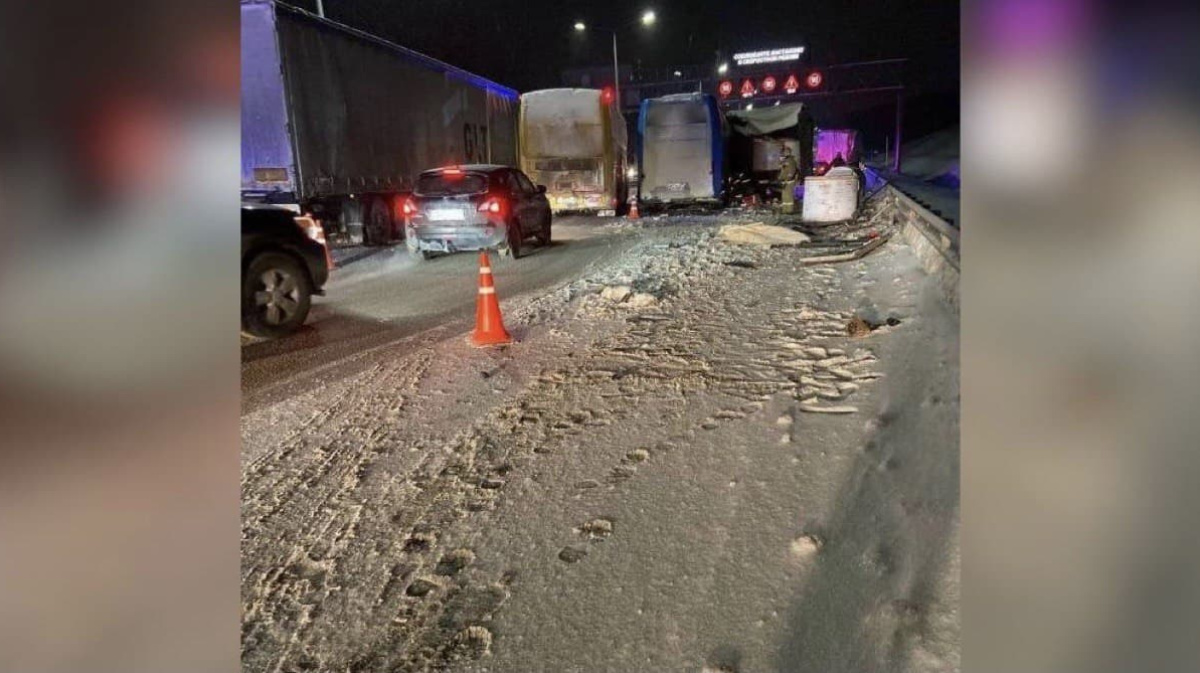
<point>709,474</point>
<point>389,296</point>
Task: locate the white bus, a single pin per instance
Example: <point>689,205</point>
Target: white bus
<point>574,142</point>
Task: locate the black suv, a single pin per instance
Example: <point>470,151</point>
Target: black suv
<point>284,263</point>
<point>475,208</point>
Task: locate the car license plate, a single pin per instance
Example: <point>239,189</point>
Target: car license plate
<point>677,187</point>
<point>607,213</point>
<point>445,215</point>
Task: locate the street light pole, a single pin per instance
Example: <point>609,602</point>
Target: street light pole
<point>320,9</point>
<point>649,18</point>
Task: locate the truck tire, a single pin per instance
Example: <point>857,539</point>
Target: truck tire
<point>276,295</point>
<point>379,225</point>
<point>351,220</point>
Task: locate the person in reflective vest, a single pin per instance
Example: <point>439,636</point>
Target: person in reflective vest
<point>789,173</point>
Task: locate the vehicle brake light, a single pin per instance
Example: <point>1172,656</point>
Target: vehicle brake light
<point>452,172</point>
<point>492,205</point>
<point>409,208</point>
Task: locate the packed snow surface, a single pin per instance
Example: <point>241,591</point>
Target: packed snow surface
<point>686,463</point>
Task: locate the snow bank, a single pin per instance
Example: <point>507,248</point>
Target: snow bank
<point>934,158</point>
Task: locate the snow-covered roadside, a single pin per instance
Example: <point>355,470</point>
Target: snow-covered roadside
<point>650,480</point>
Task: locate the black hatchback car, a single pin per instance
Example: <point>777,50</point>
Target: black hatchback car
<point>284,263</point>
<point>475,207</point>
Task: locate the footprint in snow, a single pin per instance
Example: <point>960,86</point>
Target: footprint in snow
<point>421,587</point>
<point>419,542</point>
<point>621,473</point>
<point>454,562</point>
<point>572,554</point>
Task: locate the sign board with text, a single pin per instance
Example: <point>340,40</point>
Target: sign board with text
<point>768,56</point>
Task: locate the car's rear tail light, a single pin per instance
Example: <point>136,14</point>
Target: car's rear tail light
<point>409,208</point>
<point>493,205</point>
<point>453,172</point>
<point>311,228</point>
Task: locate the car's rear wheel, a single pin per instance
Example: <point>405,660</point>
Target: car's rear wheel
<point>276,295</point>
<point>377,229</point>
<point>543,237</point>
<point>516,241</point>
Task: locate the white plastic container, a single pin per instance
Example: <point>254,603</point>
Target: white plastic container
<point>830,198</point>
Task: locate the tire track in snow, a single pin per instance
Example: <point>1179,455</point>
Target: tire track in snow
<point>343,539</point>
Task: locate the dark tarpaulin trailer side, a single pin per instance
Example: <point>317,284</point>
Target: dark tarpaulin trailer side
<point>790,121</point>
<point>361,114</point>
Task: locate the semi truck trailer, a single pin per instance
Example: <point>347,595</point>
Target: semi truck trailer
<point>338,123</point>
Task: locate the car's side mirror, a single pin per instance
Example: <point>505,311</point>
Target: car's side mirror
<point>541,189</point>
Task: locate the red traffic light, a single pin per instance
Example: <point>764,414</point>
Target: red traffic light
<point>725,89</point>
<point>769,84</point>
<point>814,80</point>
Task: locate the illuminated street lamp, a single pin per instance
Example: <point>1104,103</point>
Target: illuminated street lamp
<point>723,68</point>
<point>648,19</point>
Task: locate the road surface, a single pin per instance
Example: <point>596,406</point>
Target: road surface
<point>389,296</point>
<point>686,463</point>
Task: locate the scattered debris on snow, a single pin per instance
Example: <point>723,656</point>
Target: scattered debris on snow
<point>765,235</point>
<point>476,640</point>
<point>638,456</point>
<point>735,340</point>
<point>806,546</point>
<point>813,407</point>
<point>596,529</point>
<point>643,300</point>
<point>616,293</point>
<point>857,327</point>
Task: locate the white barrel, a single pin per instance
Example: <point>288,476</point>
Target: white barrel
<point>830,198</point>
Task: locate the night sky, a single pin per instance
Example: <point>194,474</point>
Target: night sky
<point>526,44</point>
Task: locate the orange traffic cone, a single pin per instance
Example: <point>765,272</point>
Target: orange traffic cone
<point>633,209</point>
<point>489,326</point>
